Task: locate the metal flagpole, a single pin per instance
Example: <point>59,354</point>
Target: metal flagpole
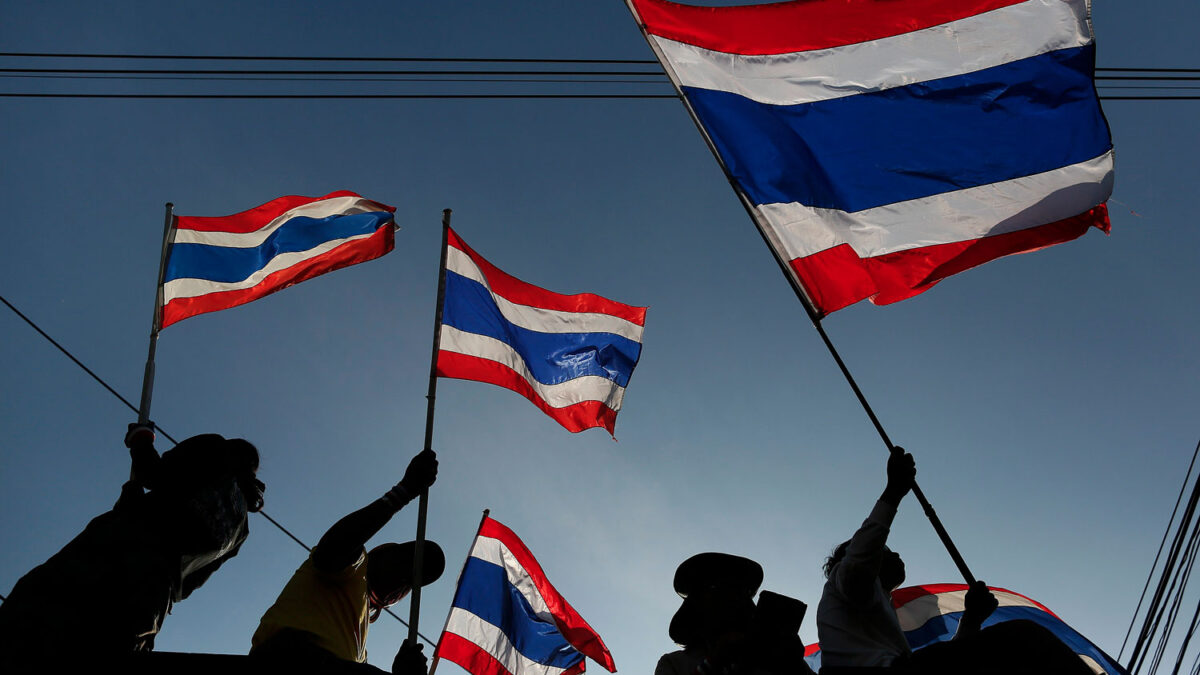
<point>414,611</point>
<point>798,288</point>
<point>156,325</point>
<point>434,662</point>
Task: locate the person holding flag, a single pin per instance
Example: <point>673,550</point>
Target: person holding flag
<point>858,627</point>
<point>320,620</point>
<point>178,519</point>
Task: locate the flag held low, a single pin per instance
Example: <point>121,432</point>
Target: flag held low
<point>507,619</point>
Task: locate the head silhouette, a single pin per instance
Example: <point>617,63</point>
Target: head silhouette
<point>390,568</point>
<point>891,568</point>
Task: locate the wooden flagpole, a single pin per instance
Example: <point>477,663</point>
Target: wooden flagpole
<point>809,308</point>
<point>434,662</point>
<point>156,325</point>
<point>414,611</point>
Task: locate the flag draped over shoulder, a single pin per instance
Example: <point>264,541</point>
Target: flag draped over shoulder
<point>930,613</point>
<point>507,619</point>
<point>218,263</point>
<point>883,146</point>
<point>570,355</point>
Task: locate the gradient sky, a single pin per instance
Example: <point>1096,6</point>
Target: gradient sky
<point>1050,398</point>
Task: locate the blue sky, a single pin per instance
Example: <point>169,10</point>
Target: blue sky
<point>1049,398</point>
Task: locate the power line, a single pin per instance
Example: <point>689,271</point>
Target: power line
<point>422,59</point>
<point>164,433</point>
<point>268,97</point>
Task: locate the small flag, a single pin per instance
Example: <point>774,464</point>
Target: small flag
<point>218,263</point>
<point>883,146</point>
<point>930,614</point>
<point>507,619</point>
<point>570,355</point>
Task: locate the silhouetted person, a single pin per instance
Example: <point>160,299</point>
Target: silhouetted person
<point>319,622</point>
<point>106,593</point>
<point>719,627</point>
<point>857,624</point>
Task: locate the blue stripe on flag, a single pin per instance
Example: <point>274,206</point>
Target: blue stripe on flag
<point>229,264</point>
<point>942,628</point>
<point>510,612</point>
<point>867,150</point>
<point>553,358</point>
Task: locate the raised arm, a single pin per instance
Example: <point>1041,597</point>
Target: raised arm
<point>343,543</point>
<point>856,574</point>
<point>144,462</point>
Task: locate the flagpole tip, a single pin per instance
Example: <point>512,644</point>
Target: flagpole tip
<point>170,205</point>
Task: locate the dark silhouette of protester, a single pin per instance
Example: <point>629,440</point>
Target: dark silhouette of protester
<point>857,625</point>
<point>105,594</point>
<point>721,630</point>
<point>319,621</point>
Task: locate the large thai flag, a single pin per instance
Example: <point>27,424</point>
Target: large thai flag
<point>570,355</point>
<point>931,613</point>
<point>882,146</point>
<point>507,619</point>
<point>218,263</point>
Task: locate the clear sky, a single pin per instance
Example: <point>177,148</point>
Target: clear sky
<point>1050,398</point>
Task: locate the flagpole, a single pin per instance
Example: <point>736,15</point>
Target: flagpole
<point>809,308</point>
<point>156,324</point>
<point>436,658</point>
<point>414,611</point>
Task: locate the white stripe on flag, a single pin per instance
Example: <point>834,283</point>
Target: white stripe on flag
<point>982,41</point>
<point>578,390</point>
<point>494,551</point>
<point>492,640</point>
<point>962,215</point>
<point>324,208</point>
<point>190,288</point>
<point>543,320</point>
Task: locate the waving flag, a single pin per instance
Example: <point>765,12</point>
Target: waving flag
<point>930,614</point>
<point>507,619</point>
<point>218,263</point>
<point>883,146</point>
<point>570,355</point>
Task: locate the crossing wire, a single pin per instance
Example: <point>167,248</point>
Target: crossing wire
<point>112,391</point>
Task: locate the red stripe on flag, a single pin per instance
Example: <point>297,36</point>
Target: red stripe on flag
<point>573,627</point>
<point>254,219</point>
<point>349,253</point>
<point>470,656</point>
<point>837,277</point>
<point>784,27</point>
<point>522,293</point>
<point>574,418</point>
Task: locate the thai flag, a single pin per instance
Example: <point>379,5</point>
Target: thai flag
<point>883,146</point>
<point>570,355</point>
<point>218,263</point>
<point>508,620</point>
<point>930,614</point>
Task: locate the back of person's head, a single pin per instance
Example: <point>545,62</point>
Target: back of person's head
<point>835,557</point>
<point>390,568</point>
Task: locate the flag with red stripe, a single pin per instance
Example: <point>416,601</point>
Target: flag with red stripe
<point>570,355</point>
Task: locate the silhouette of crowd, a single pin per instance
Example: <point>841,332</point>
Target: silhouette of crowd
<point>183,514</point>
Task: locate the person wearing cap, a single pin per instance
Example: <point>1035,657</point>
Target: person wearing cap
<point>178,519</point>
<point>718,624</point>
<point>320,620</point>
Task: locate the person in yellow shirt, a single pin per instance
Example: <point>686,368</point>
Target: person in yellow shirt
<point>319,621</point>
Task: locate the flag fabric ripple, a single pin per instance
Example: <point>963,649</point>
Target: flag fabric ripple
<point>218,263</point>
<point>570,355</point>
<point>930,613</point>
<point>883,146</point>
<point>507,619</point>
